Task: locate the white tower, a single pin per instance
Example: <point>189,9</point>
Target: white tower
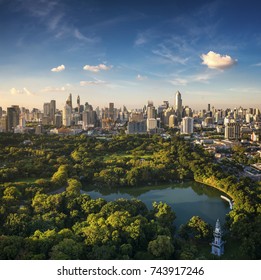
<point>217,246</point>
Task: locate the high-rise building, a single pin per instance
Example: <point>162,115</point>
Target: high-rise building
<point>187,112</point>
<point>151,111</point>
<point>52,111</point>
<point>187,125</point>
<point>46,109</point>
<point>151,124</point>
<point>3,124</point>
<point>69,100</point>
<point>78,104</point>
<point>111,111</point>
<point>208,122</point>
<point>12,117</point>
<point>139,127</point>
<point>67,115</point>
<point>173,121</point>
<point>178,107</point>
<point>232,130</point>
<point>58,120</point>
<point>89,117</point>
<point>136,117</point>
<point>1,112</point>
<point>167,113</point>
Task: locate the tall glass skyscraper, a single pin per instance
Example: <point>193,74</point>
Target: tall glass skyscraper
<point>178,107</point>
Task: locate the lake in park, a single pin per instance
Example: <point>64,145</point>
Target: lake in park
<point>186,199</point>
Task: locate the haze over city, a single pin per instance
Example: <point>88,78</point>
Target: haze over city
<point>130,52</point>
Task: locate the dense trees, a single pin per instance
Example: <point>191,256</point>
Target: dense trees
<point>38,223</point>
<point>120,229</point>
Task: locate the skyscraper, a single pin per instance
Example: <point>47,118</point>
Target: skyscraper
<point>12,117</point>
<point>78,103</point>
<point>178,106</point>
<point>111,111</point>
<point>46,109</point>
<point>187,125</point>
<point>151,110</point>
<point>52,111</point>
<point>232,130</point>
<point>67,115</point>
<point>69,100</point>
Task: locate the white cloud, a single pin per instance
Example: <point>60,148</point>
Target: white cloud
<point>26,91</point>
<point>96,82</point>
<point>78,35</point>
<point>141,39</point>
<point>203,77</point>
<point>246,90</point>
<point>58,68</point>
<point>197,78</point>
<point>15,91</point>
<point>96,68</point>
<point>257,64</point>
<point>217,61</point>
<point>179,82</point>
<point>141,78</point>
<point>53,89</point>
<point>54,21</point>
<point>169,56</point>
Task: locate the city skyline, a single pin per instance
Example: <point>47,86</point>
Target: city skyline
<point>129,53</point>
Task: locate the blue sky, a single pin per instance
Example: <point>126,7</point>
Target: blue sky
<point>129,52</point>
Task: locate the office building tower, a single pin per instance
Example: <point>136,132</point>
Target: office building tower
<point>67,115</point>
<point>78,104</point>
<point>208,107</point>
<point>1,112</point>
<point>69,100</point>
<point>139,127</point>
<point>151,111</point>
<point>46,109</point>
<point>187,125</point>
<point>173,121</point>
<point>187,112</point>
<point>208,122</point>
<point>151,124</point>
<point>22,122</point>
<point>136,117</point>
<point>39,129</point>
<point>52,111</point>
<point>12,117</point>
<point>232,130</point>
<point>111,111</point>
<point>178,107</point>
<point>58,120</point>
<point>89,117</point>
<point>167,113</point>
<point>3,124</point>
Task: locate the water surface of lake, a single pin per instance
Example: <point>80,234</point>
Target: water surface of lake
<point>186,199</point>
